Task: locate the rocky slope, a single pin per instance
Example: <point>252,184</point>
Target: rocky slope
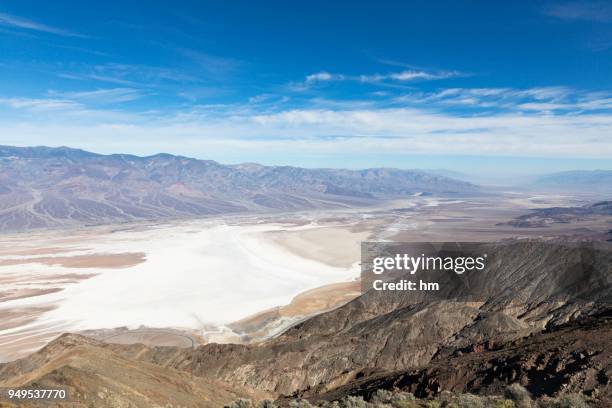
<point>575,357</point>
<point>47,187</point>
<point>95,376</point>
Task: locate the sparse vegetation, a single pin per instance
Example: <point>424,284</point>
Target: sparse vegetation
<point>519,395</point>
<point>515,396</point>
<point>241,403</point>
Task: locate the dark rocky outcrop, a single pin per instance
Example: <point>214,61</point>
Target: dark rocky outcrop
<point>571,358</point>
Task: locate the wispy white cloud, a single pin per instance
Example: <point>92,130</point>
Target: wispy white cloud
<point>102,96</point>
<point>211,64</point>
<point>268,98</point>
<point>12,21</point>
<point>129,75</point>
<point>408,75</point>
<point>398,131</point>
<point>196,93</point>
<point>324,76</point>
<point>531,99</point>
<point>84,50</point>
<point>57,110</point>
<point>555,122</point>
<point>41,104</point>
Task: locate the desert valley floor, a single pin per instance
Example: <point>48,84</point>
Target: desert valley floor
<point>226,279</point>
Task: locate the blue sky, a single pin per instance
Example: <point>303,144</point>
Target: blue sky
<point>474,86</point>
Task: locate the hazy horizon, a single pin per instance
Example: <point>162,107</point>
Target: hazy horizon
<point>497,168</point>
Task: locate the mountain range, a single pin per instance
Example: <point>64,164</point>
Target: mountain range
<point>42,187</point>
<point>542,217</point>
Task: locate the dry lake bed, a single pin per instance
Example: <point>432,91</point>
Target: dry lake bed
<point>225,279</point>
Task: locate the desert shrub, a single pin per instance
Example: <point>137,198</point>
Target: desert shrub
<point>520,395</point>
<point>241,403</point>
<point>266,404</point>
<point>567,401</point>
<point>471,401</point>
<point>300,404</point>
<point>503,403</point>
<point>327,404</point>
<point>353,402</point>
<point>403,400</point>
<point>404,404</point>
<point>445,397</point>
<point>382,396</point>
<point>516,396</point>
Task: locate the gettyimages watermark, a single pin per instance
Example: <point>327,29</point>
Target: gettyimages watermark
<point>478,271</point>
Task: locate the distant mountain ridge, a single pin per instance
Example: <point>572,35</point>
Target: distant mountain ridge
<point>578,179</point>
<point>43,187</point>
<point>542,217</point>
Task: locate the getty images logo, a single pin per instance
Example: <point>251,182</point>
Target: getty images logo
<point>413,264</point>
